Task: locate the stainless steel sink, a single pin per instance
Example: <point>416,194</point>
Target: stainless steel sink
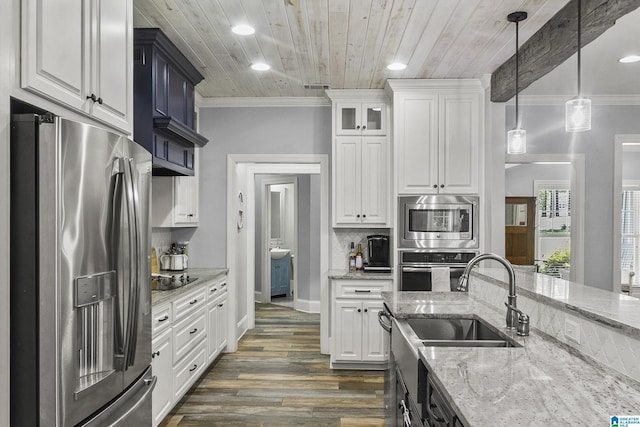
<point>458,332</point>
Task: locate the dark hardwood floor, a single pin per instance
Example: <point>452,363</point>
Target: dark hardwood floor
<point>279,378</point>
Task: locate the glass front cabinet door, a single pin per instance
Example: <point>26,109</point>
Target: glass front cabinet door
<point>361,119</point>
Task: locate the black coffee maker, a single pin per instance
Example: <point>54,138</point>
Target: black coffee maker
<point>379,256</point>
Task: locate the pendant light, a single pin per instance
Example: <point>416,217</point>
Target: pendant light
<point>517,138</point>
<point>578,109</point>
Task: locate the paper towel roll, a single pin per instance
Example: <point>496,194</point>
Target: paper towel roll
<point>440,279</point>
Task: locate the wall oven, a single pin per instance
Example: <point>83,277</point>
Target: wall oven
<point>438,221</point>
<point>416,268</point>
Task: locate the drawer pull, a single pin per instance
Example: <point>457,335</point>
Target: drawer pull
<point>214,289</point>
<point>194,331</point>
<point>162,319</point>
<point>222,285</point>
<point>155,353</point>
<point>363,291</point>
<point>193,302</point>
<point>220,305</point>
<point>194,368</point>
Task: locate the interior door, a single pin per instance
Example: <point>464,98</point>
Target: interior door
<point>520,230</point>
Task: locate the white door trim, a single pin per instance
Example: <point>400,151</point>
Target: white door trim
<point>272,163</point>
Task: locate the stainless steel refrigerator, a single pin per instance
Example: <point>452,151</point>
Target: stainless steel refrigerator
<point>80,268</point>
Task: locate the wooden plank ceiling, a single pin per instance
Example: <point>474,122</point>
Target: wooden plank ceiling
<point>340,43</point>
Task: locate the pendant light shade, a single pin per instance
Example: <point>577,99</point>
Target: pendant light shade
<point>517,138</point>
<point>517,141</point>
<point>578,109</point>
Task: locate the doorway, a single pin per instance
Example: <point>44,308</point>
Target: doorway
<point>521,170</point>
<point>277,241</point>
<point>519,230</point>
<point>241,251</point>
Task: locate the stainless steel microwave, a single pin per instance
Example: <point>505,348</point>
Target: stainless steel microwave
<point>438,221</point>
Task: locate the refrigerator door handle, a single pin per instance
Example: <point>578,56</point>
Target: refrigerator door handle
<point>115,233</point>
<point>133,217</point>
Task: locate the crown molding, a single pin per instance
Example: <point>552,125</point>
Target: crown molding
<point>229,102</point>
<point>562,99</point>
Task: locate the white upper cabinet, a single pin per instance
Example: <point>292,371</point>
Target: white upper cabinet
<point>438,133</point>
<point>361,159</point>
<point>79,54</point>
<point>356,118</point>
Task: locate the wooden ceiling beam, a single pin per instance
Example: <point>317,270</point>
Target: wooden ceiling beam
<point>555,42</point>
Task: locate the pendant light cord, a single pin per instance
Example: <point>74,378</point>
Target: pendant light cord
<point>579,46</point>
<point>517,74</point>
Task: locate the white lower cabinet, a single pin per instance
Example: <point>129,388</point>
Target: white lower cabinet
<point>358,341</point>
<point>161,363</point>
<point>218,312</point>
<point>189,332</point>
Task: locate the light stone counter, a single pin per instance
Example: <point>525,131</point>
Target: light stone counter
<point>613,309</point>
<point>544,382</point>
<point>204,275</point>
<point>365,275</point>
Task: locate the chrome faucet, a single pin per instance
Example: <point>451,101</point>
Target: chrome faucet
<point>516,319</point>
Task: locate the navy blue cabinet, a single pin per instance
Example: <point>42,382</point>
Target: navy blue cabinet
<point>164,103</point>
<point>280,276</point>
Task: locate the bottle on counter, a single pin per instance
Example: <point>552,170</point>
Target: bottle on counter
<point>359,264</point>
<point>352,257</point>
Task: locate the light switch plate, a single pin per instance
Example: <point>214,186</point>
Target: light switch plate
<point>572,330</point>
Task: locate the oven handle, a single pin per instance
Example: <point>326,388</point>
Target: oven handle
<point>386,326</point>
<point>427,269</point>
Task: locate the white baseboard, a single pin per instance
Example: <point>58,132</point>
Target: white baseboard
<point>241,328</point>
<point>257,296</point>
<point>308,306</point>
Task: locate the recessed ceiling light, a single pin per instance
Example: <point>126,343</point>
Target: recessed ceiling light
<point>397,66</point>
<point>243,30</point>
<point>629,59</point>
<point>260,66</point>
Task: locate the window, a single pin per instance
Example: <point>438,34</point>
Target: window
<point>630,224</point>
<point>553,226</point>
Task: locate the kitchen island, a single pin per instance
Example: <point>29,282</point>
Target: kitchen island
<point>552,378</point>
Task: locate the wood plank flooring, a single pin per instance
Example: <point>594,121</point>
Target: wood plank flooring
<point>279,378</point>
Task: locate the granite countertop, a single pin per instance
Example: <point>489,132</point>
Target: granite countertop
<point>204,275</point>
<point>360,275</point>
<point>543,382</point>
<point>613,309</point>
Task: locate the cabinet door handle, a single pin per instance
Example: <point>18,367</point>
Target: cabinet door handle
<point>92,97</point>
<point>359,310</point>
<point>194,331</point>
<point>364,215</point>
<point>358,127</point>
<point>358,216</point>
<point>193,302</point>
<point>363,291</point>
<point>364,127</point>
<point>435,185</point>
<point>189,215</point>
<point>441,185</point>
<point>194,368</point>
<point>163,318</point>
<point>99,100</point>
<point>366,310</point>
<point>155,353</point>
<point>220,305</point>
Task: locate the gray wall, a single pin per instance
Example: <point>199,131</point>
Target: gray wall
<point>519,179</point>
<point>246,130</point>
<point>546,134</point>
